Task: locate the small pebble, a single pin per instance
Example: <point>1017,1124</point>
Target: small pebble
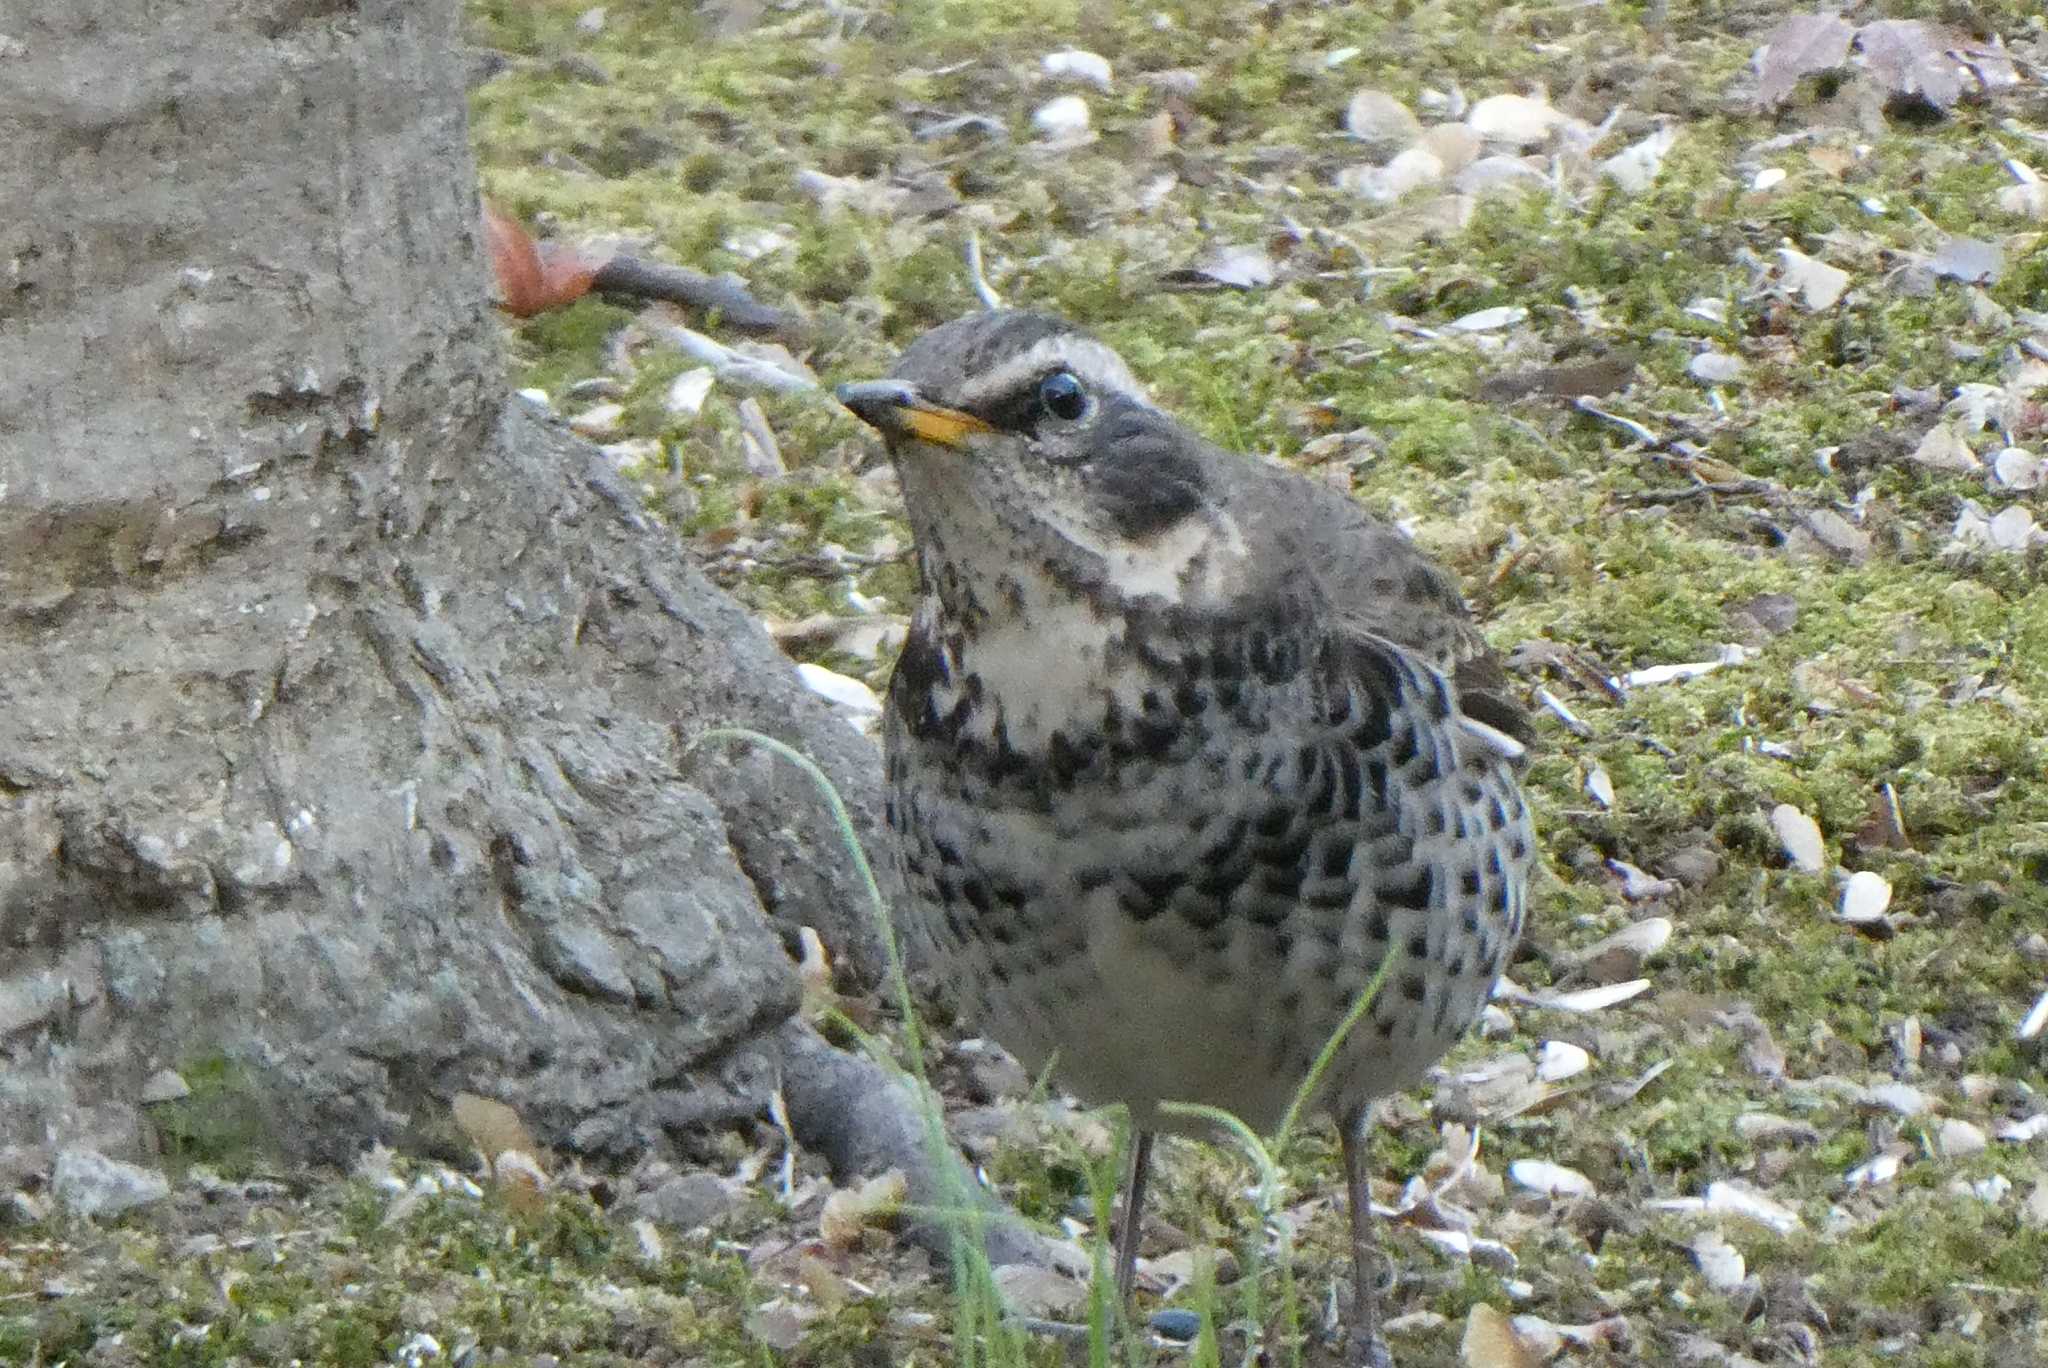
<point>1176,1324</point>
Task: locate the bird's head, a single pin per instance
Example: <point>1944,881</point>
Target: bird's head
<point>1021,440</point>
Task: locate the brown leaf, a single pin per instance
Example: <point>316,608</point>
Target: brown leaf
<point>1800,46</point>
<point>533,278</point>
<point>492,1126</point>
<point>1491,1342</point>
<point>522,1183</point>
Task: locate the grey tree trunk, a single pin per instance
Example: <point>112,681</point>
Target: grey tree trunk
<point>345,708</point>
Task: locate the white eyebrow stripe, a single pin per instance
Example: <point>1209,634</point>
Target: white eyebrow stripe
<point>1101,369</point>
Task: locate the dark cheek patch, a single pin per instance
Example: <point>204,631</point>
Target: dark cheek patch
<point>1146,492</point>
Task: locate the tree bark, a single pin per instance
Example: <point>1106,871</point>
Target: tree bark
<point>345,718</point>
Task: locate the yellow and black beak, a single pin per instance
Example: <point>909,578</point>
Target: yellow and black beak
<point>894,409</point>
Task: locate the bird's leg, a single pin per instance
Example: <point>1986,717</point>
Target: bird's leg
<point>1367,1348</point>
<point>1134,1215</point>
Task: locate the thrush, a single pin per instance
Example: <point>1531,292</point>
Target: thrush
<point>1181,747</point>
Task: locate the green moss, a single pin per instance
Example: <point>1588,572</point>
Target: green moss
<point>229,1121</point>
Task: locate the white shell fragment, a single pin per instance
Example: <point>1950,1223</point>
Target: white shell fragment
<point>1639,885</point>
<point>1865,896</point>
<point>2028,198</point>
<point>2018,469</point>
<point>1621,955</point>
<point>1799,836</point>
<point>762,366</point>
<point>855,701</point>
<point>1943,448</point>
<point>1381,121</point>
<point>1817,284</point>
<point>1720,1263</point>
<point>687,392</point>
<point>1579,1000</point>
<point>2014,529</point>
<point>1735,1199</point>
<point>1063,120</point>
<point>1490,320</point>
<point>1410,169</point>
<point>2021,1132</point>
<point>1559,1060</point>
<point>1552,1180</point>
<point>1959,1139</point>
<point>1715,368</point>
<point>1488,1254</point>
<point>1599,787</point>
<point>1877,1170</point>
<point>600,420</point>
<point>1903,1098</point>
<point>2036,1021</point>
<point>1074,64</point>
<point>1635,167</point>
<point>1732,653</point>
<point>1514,119</point>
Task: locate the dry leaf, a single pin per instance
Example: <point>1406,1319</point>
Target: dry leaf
<point>849,1211</point>
<point>1491,1342</point>
<point>521,1182</point>
<point>491,1126</point>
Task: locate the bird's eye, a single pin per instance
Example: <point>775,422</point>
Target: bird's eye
<point>1062,395</point>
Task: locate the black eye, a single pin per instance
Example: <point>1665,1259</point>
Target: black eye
<point>1062,395</point>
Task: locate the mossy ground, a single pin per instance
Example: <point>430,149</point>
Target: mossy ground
<point>1904,665</point>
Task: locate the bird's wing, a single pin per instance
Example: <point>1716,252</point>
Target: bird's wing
<point>1376,584</point>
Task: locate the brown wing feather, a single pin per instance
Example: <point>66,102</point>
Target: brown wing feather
<point>1380,583</point>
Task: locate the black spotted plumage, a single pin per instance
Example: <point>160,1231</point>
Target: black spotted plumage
<point>1228,741</point>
